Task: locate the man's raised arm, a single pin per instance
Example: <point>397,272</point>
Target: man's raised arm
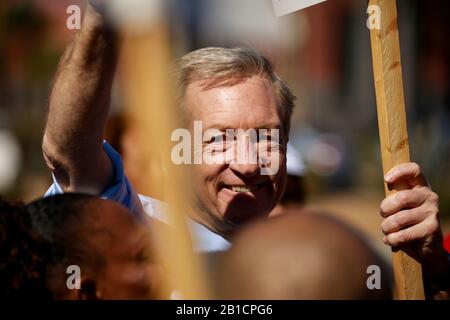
<point>79,105</point>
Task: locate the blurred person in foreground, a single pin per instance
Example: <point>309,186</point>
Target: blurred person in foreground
<point>40,241</point>
<point>225,89</point>
<point>300,255</point>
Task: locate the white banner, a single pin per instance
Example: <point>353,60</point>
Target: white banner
<point>283,7</point>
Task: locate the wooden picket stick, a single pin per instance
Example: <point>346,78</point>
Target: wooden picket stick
<point>393,131</point>
<point>148,94</point>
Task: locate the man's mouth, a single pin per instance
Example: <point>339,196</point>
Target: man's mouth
<point>240,188</point>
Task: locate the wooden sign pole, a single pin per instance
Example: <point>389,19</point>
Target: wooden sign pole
<point>146,60</point>
<point>393,130</point>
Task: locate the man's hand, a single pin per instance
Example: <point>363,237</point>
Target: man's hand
<point>412,219</point>
<point>100,7</point>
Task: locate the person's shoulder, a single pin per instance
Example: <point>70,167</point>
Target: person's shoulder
<point>204,240</point>
<point>154,208</point>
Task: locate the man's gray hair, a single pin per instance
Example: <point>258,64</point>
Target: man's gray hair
<point>217,67</point>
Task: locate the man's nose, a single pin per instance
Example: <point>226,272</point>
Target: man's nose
<point>245,160</point>
<point>245,169</point>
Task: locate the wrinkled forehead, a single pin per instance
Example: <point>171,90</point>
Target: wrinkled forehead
<point>250,103</point>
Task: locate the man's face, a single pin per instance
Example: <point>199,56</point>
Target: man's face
<point>123,243</point>
<point>230,194</point>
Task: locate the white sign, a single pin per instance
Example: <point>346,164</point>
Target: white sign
<point>283,7</point>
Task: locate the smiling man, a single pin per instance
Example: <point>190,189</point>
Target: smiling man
<point>236,89</point>
<point>224,89</point>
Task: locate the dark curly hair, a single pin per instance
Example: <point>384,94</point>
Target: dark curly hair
<point>39,241</point>
<point>24,256</point>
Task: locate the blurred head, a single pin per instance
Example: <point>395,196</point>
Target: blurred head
<point>24,256</point>
<point>235,89</point>
<point>299,256</point>
<point>110,247</point>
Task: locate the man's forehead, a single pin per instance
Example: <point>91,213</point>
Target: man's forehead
<point>250,85</point>
<point>252,100</point>
<point>260,125</point>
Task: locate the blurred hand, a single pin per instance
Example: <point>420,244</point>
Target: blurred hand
<point>97,16</point>
<point>412,219</point>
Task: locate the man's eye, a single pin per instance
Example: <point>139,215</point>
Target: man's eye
<point>215,139</point>
<point>270,146</point>
<point>219,143</point>
<point>264,138</point>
